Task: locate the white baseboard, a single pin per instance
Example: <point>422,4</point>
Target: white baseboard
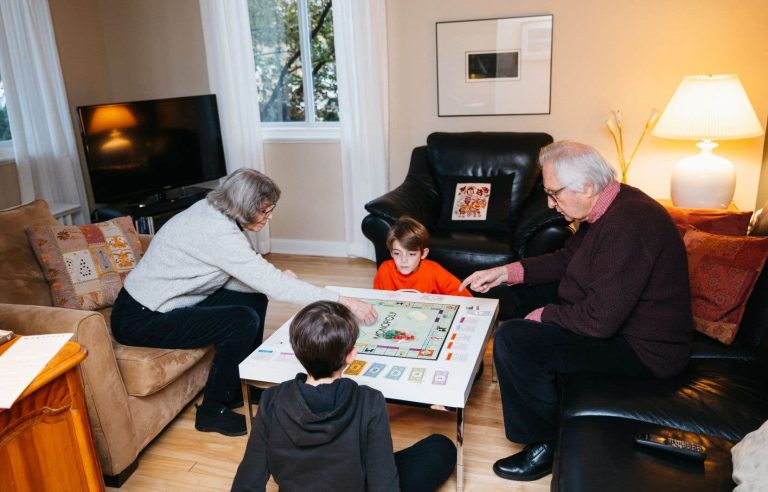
<point>308,247</point>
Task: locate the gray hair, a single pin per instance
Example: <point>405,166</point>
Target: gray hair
<point>243,194</point>
<point>576,165</point>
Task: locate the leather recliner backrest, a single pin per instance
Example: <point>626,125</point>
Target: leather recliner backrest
<point>488,154</point>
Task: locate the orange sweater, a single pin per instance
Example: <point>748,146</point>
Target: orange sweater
<point>429,278</point>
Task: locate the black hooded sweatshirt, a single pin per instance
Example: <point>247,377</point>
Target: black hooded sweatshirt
<point>327,437</point>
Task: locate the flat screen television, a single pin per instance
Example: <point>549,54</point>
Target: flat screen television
<point>143,148</point>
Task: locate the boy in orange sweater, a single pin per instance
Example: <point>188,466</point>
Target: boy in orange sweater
<point>409,269</point>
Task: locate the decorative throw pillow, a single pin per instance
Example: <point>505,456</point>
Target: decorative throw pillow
<point>475,203</point>
<point>725,222</point>
<point>85,265</point>
<point>722,272</point>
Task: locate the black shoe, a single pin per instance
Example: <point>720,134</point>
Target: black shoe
<point>532,463</point>
<point>238,402</point>
<point>221,420</point>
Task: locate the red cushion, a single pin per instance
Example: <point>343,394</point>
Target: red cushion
<point>722,271</point>
<point>726,222</point>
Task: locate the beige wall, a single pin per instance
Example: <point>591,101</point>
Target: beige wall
<point>311,205</point>
<point>607,54</point>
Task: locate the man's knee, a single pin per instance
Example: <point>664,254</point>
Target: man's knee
<point>246,321</point>
<point>513,336</point>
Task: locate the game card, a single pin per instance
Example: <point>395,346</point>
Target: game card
<point>440,378</point>
<point>262,354</point>
<point>355,368</point>
<point>374,370</point>
<point>416,375</point>
<point>285,357</point>
<point>456,356</point>
<point>395,373</point>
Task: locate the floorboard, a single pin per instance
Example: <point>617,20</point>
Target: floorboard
<point>181,458</point>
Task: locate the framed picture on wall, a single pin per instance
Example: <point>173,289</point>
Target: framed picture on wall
<point>494,66</point>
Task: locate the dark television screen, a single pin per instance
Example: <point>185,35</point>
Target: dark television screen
<point>140,148</point>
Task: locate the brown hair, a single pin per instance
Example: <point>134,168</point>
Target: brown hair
<point>410,233</point>
<point>322,334</point>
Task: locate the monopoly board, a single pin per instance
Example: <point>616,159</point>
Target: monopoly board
<point>407,329</point>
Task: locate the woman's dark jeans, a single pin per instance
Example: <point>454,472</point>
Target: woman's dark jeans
<point>232,321</point>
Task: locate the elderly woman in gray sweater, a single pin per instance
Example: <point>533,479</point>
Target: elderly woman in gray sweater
<point>201,282</point>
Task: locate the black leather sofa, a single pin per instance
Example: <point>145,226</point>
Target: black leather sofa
<point>719,398</point>
<point>529,227</point>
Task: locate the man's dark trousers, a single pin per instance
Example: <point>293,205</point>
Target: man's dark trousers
<point>529,355</point>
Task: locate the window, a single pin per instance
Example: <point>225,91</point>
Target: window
<point>295,67</point>
<point>6,145</point>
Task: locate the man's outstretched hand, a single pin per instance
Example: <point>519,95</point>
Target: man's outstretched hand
<point>484,280</point>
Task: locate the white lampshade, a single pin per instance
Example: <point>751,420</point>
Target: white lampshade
<point>707,107</point>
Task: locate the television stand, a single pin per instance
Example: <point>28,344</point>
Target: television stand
<point>150,214</point>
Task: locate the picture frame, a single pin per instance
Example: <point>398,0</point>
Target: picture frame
<point>497,66</point>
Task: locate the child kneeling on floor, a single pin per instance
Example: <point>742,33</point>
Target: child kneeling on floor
<point>409,268</point>
<point>320,431</point>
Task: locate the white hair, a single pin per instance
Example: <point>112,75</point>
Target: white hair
<point>243,194</point>
<point>577,165</point>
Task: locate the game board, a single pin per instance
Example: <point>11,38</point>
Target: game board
<point>407,329</point>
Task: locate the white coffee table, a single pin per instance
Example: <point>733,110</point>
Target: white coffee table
<point>435,368</point>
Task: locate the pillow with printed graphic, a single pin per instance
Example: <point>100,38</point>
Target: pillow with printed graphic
<point>85,265</point>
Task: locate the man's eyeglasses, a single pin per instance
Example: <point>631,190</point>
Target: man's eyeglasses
<point>553,193</point>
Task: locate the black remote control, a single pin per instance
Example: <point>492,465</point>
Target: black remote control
<point>677,446</point>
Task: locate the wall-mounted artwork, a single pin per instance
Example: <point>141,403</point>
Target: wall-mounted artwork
<point>494,66</point>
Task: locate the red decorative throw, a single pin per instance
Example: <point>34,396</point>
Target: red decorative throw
<point>722,271</point>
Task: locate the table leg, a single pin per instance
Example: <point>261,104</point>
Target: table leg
<point>459,449</point>
<point>247,403</point>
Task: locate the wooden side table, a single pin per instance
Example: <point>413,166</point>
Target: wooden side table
<point>45,437</point>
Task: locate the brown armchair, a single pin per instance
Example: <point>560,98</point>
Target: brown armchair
<point>132,393</point>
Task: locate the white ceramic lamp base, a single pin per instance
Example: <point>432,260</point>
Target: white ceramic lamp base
<point>703,180</point>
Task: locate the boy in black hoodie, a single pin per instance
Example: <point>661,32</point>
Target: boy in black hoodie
<point>320,431</point>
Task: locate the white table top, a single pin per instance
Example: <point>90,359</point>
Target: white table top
<point>445,381</point>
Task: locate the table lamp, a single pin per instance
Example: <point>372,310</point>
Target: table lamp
<point>707,108</point>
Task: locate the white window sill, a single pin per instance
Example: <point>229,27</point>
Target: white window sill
<point>6,151</point>
<point>300,133</point>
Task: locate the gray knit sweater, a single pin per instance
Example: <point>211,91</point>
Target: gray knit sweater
<point>201,250</point>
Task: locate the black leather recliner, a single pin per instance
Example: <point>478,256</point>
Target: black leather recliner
<point>506,160</point>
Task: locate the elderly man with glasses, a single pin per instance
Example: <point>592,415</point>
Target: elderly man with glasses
<point>623,308</point>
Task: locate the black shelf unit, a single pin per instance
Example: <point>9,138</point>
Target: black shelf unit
<point>150,214</point>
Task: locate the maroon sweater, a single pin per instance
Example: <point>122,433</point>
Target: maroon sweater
<point>626,273</point>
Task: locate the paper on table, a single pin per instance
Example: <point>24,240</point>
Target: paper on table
<point>21,363</point>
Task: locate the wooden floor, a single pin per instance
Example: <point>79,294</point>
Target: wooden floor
<point>183,459</point>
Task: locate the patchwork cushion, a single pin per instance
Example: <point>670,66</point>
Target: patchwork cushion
<point>725,222</point>
<point>472,203</point>
<point>85,265</point>
<point>723,271</point>
<point>21,280</point>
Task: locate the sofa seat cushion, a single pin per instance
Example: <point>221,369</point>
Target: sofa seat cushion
<point>21,279</point>
<point>599,453</point>
<point>704,347</point>
<point>716,397</point>
<point>146,370</point>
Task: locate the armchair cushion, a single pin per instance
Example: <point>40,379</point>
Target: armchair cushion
<point>21,281</point>
<point>472,203</point>
<point>85,265</point>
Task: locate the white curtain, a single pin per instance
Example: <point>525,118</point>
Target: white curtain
<point>43,138</point>
<point>232,77</point>
<point>360,31</point>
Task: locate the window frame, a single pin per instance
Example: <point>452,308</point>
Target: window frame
<point>7,153</point>
<point>310,130</point>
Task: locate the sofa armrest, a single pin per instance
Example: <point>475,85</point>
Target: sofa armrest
<point>539,229</point>
<point>107,399</point>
